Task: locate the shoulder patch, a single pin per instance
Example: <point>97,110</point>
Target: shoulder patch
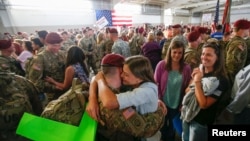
<point>241,47</point>
<point>4,65</point>
<point>36,66</point>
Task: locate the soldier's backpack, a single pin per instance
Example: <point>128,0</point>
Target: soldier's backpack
<point>15,99</point>
<point>69,107</point>
<point>131,122</point>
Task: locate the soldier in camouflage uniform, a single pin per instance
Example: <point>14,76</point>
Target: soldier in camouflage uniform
<point>67,42</point>
<point>177,34</point>
<point>133,43</point>
<point>165,48</point>
<point>88,45</point>
<point>7,62</point>
<point>204,37</point>
<point>169,36</point>
<point>137,41</point>
<point>17,95</point>
<point>191,55</point>
<point>100,48</point>
<point>248,49</point>
<point>111,69</point>
<point>119,47</point>
<point>236,50</point>
<point>140,40</point>
<point>50,62</point>
<point>108,43</point>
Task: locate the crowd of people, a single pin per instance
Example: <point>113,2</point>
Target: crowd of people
<point>161,66</point>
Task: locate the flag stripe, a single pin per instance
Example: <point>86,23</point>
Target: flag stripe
<point>216,17</point>
<point>120,19</point>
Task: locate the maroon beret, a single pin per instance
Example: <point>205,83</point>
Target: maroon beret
<point>193,36</point>
<point>18,48</point>
<point>202,30</point>
<point>113,30</point>
<point>4,44</point>
<point>193,28</point>
<point>141,30</point>
<point>242,24</point>
<point>113,60</point>
<point>176,26</point>
<point>53,38</point>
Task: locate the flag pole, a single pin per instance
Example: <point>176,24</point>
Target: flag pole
<point>226,16</point>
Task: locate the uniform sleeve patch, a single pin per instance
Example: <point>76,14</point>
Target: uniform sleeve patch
<point>241,47</point>
<point>36,66</point>
<point>4,66</point>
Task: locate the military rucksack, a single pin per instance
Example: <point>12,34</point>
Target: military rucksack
<point>15,94</point>
<point>69,107</point>
<point>130,122</point>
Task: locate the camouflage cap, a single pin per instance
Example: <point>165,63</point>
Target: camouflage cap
<point>4,44</point>
<point>242,24</point>
<point>113,60</point>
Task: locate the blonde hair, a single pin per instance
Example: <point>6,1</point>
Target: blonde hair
<point>100,37</point>
<point>150,37</point>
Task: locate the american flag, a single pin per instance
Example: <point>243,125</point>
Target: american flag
<point>114,18</point>
<point>216,16</point>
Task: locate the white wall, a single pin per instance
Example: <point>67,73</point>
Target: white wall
<point>153,19</point>
<point>50,18</point>
<point>29,20</point>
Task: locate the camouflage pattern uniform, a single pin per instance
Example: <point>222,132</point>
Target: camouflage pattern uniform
<point>140,41</point>
<point>48,64</point>
<point>199,49</point>
<point>121,47</point>
<point>236,55</point>
<point>248,51</point>
<point>21,96</point>
<point>181,38</point>
<point>133,45</point>
<point>88,45</point>
<point>67,44</point>
<point>40,50</point>
<point>165,48</point>
<point>9,64</point>
<point>108,46</point>
<point>100,53</point>
<point>191,57</point>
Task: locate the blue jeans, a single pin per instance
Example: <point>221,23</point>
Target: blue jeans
<point>168,131</point>
<point>193,131</point>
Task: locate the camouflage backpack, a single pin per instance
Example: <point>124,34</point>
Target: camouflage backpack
<point>15,97</point>
<point>69,107</point>
<point>130,122</point>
